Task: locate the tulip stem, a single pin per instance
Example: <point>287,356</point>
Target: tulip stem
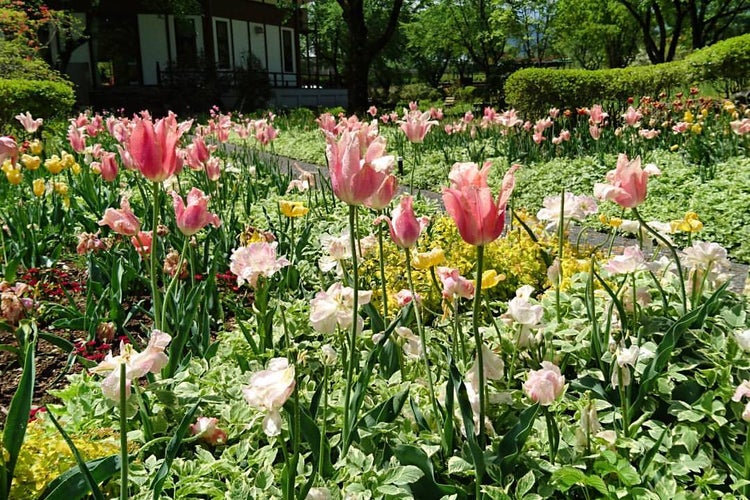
<point>422,339</point>
<point>154,284</point>
<point>478,344</point>
<point>123,433</point>
<point>673,251</point>
<point>346,431</point>
<point>382,273</point>
<point>321,462</point>
<point>560,248</point>
<point>173,282</point>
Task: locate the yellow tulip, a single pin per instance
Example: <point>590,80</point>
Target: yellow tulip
<point>293,208</point>
<point>67,159</point>
<point>39,187</point>
<point>36,147</point>
<point>490,278</point>
<point>14,176</point>
<point>674,147</point>
<point>689,224</point>
<point>60,188</point>
<point>31,162</point>
<point>76,168</point>
<point>688,117</point>
<point>426,260</point>
<point>53,165</point>
<point>696,128</point>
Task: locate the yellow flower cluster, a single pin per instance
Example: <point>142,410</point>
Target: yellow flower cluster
<point>510,262</point>
<point>56,164</point>
<point>12,172</point>
<point>688,224</point>
<point>45,455</point>
<point>293,208</point>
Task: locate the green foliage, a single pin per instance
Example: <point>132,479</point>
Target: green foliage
<point>535,90</point>
<point>43,99</point>
<point>726,62</point>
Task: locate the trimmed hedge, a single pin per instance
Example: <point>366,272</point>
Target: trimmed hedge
<point>535,90</point>
<point>725,61</point>
<point>43,99</point>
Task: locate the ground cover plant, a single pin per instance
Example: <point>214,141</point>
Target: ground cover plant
<point>228,328</point>
<point>699,142</point>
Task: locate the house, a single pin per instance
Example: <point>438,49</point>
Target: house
<point>174,53</point>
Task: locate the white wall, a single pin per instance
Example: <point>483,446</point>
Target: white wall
<point>273,39</point>
<point>240,43</point>
<point>153,46</point>
<point>258,42</point>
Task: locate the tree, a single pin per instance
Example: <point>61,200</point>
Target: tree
<point>479,27</point>
<point>663,23</point>
<point>365,45</point>
<point>430,50</point>
<point>595,33</point>
<point>532,25</point>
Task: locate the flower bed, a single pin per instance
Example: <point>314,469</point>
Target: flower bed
<point>291,335</point>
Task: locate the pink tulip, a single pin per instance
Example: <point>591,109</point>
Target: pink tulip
<point>143,242</point>
<point>597,115</point>
<point>372,110</point>
<point>207,429</point>
<point>137,364</point>
<point>355,179</point>
<point>595,132</point>
<point>545,385</point>
<point>8,149</point>
<point>77,138</point>
<point>108,166</point>
<point>153,148</point>
<point>268,391</point>
<point>195,216</point>
<point>29,124</point>
<point>255,260</point>
<point>404,297</point>
<point>122,221</point>
<point>626,185</point>
<point>455,285</point>
<point>416,125</point>
<point>404,225</point>
<point>632,117</point>
<point>740,127</point>
<point>327,123</point>
<point>480,219</point>
<point>383,195</point>
<point>197,153</point>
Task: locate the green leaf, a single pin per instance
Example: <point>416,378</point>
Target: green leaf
<point>567,477</point>
<point>403,475</point>
<point>457,465</point>
<point>72,485</point>
<point>386,411</point>
<point>512,443</point>
<point>172,449</point>
<point>426,486</point>
<point>525,484</point>
<point>18,416</point>
<point>91,483</point>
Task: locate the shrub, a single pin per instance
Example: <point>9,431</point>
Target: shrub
<point>725,63</point>
<point>535,90</point>
<point>43,99</point>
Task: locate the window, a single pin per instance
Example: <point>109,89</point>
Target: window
<point>287,49</point>
<point>185,39</point>
<point>222,44</point>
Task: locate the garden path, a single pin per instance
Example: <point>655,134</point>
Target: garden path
<point>739,272</point>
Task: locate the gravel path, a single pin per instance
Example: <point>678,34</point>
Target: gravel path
<point>739,281</point>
